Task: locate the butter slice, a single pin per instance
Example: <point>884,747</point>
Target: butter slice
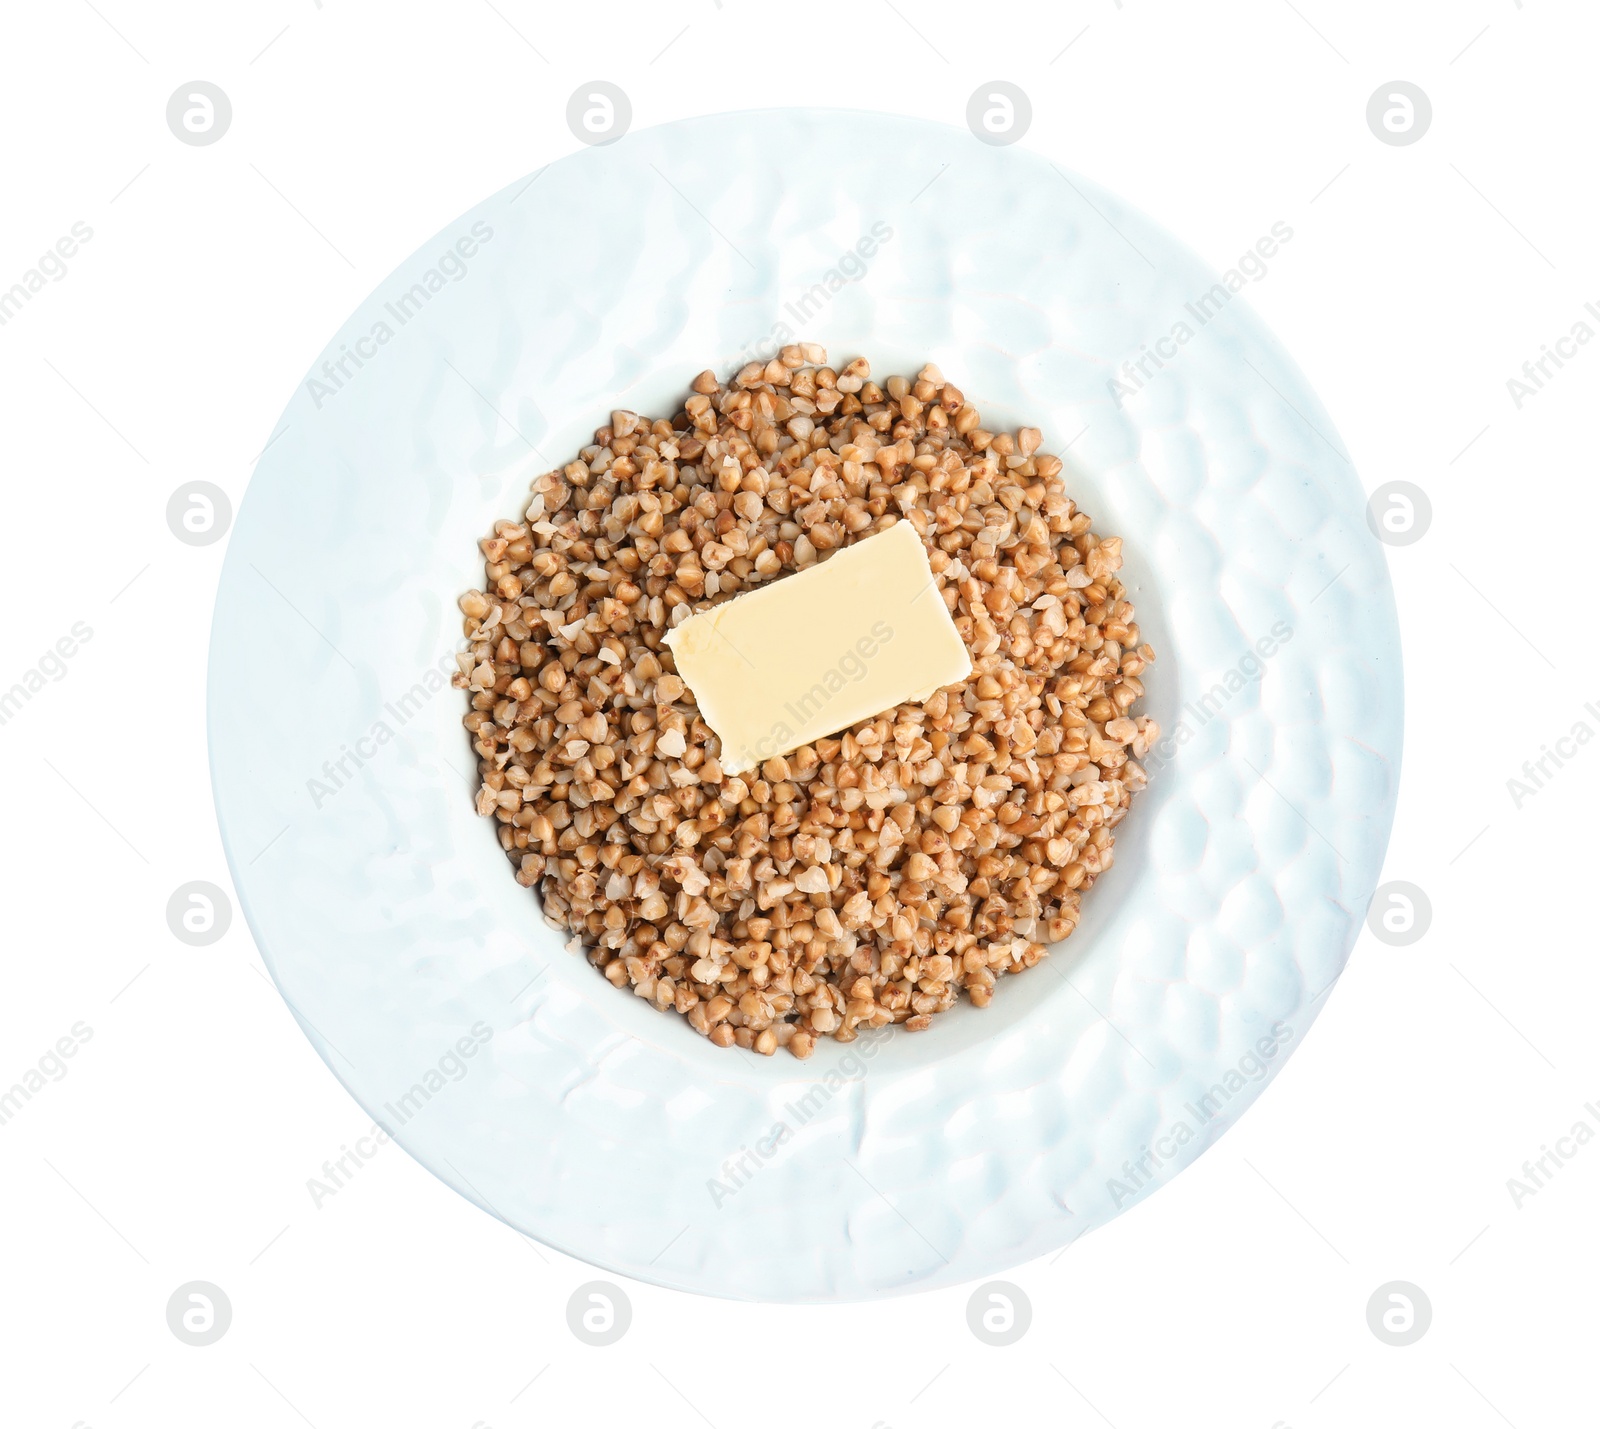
<point>817,651</point>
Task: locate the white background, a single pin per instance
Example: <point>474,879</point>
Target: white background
<point>179,1143</point>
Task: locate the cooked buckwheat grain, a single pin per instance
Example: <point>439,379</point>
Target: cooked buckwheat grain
<point>865,879</point>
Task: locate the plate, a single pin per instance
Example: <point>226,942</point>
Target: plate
<point>424,975</point>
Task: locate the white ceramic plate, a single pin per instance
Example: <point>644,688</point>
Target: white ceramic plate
<point>388,915</point>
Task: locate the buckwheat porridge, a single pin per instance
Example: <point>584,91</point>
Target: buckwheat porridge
<point>868,877</point>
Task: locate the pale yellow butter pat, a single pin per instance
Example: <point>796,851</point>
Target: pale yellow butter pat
<point>814,652</point>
